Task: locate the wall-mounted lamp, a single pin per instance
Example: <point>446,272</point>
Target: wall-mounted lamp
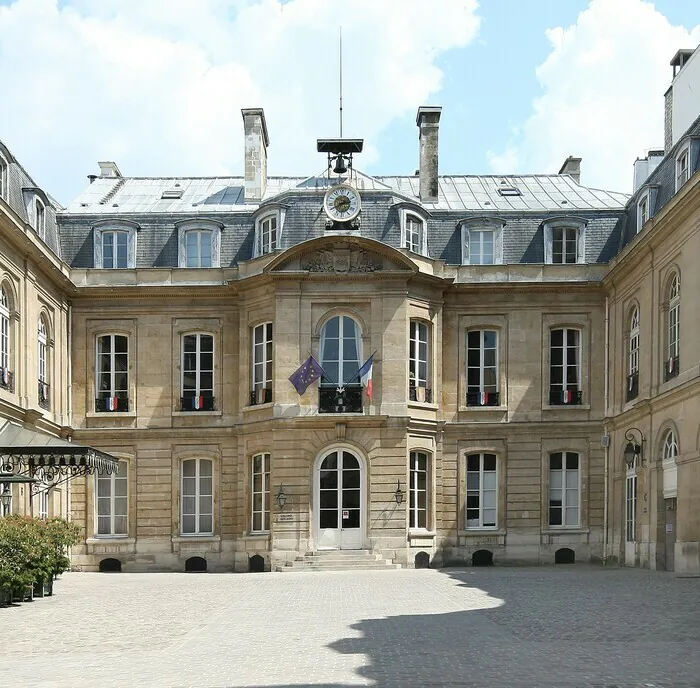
<point>6,499</point>
<point>281,497</point>
<point>634,451</point>
<point>6,481</point>
<point>398,495</point>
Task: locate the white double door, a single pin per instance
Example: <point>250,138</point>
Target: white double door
<point>339,501</point>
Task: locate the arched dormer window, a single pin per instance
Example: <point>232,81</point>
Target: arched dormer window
<point>268,230</point>
<point>565,240</point>
<point>199,243</point>
<point>115,244</point>
<point>673,333</point>
<point>482,241</point>
<point>6,375</point>
<point>413,232</point>
<point>633,356</point>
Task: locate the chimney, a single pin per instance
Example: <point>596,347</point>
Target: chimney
<point>572,167</point>
<point>428,122</point>
<point>256,143</point>
<point>109,169</point>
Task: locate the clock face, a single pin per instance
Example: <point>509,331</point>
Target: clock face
<point>342,203</point>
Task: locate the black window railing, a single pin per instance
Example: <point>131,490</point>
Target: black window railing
<point>7,379</point>
<point>118,403</point>
<point>193,402</point>
<point>671,368</point>
<point>483,398</point>
<point>44,394</point>
<point>632,386</point>
<point>420,393</point>
<point>261,395</point>
<point>565,397</point>
<point>334,399</point>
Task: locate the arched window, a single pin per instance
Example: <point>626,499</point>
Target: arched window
<point>40,218</point>
<point>418,490</point>
<point>197,372</point>
<point>674,327</point>
<point>633,357</point>
<point>341,350</point>
<point>42,364</point>
<point>197,497</point>
<point>669,455</point>
<point>199,242</point>
<point>565,366</point>
<point>112,371</point>
<point>5,372</point>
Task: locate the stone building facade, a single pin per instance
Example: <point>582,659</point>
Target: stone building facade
<point>510,374</point>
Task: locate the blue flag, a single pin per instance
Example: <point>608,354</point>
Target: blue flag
<point>305,374</point>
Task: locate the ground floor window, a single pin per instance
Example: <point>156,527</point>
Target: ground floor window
<point>260,492</point>
<point>418,498</point>
<point>564,489</point>
<point>482,490</point>
<point>631,508</point>
<point>197,497</point>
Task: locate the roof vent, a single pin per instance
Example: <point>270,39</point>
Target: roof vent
<point>172,193</point>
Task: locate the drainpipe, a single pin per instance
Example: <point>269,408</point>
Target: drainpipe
<point>606,448</point>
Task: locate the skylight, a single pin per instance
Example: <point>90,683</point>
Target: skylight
<point>172,193</point>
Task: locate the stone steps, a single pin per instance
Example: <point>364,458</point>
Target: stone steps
<point>338,560</point>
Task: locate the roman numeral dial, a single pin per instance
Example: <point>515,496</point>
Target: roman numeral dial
<point>342,203</point>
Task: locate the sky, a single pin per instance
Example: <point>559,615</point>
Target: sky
<point>157,85</point>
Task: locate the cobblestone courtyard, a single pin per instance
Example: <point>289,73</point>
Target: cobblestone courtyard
<point>460,627</point>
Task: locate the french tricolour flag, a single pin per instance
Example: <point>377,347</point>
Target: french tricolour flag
<point>197,403</point>
<point>484,398</point>
<point>365,375</point>
<point>113,403</point>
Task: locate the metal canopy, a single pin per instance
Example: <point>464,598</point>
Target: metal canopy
<point>339,146</point>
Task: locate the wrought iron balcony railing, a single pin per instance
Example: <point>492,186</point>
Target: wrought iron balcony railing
<point>632,386</point>
<point>419,393</point>
<point>44,395</point>
<point>261,395</point>
<point>335,399</point>
<point>7,379</point>
<point>565,397</point>
<point>483,398</point>
<point>193,402</point>
<point>118,403</point>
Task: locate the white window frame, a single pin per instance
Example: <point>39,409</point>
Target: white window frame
<point>682,171</point>
<point>482,368</point>
<point>262,489</point>
<point>198,370</point>
<point>565,490</point>
<point>344,366</point>
<point>633,356</point>
<point>203,239</point>
<point>643,210</point>
<point>669,465</point>
<point>481,491</point>
<point>5,331</point>
<point>416,513</point>
<point>263,244</point>
<point>419,335</point>
<point>198,495</point>
<point>420,244</point>
<point>579,225</point>
<point>100,230</point>
<point>4,176</point>
<point>565,365</point>
<point>42,500</point>
<point>471,228</point>
<point>262,358</point>
<point>40,217</point>
<point>116,509</point>
<point>674,320</point>
<point>631,506</point>
<point>113,392</point>
<point>201,226</point>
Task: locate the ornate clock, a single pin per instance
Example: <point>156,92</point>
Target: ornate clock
<point>342,203</point>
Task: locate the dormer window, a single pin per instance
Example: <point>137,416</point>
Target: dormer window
<point>642,211</point>
<point>565,241</point>
<point>115,244</point>
<point>413,232</point>
<point>199,242</point>
<point>268,231</point>
<point>682,167</point>
<point>40,218</point>
<point>482,241</point>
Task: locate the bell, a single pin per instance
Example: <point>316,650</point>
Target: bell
<point>340,167</point>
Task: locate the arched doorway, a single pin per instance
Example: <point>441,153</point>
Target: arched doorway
<point>339,500</point>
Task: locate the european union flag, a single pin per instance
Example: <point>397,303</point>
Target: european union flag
<point>305,374</point>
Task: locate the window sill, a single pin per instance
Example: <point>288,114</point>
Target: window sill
<point>481,409</point>
<point>480,532</point>
<point>557,530</point>
<point>262,535</point>
<point>421,532</point>
<point>116,539</point>
<point>196,538</point>
<point>428,406</point>
<point>255,407</point>
<point>111,414</point>
<point>558,407</point>
<point>196,413</point>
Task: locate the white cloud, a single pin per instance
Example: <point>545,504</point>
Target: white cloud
<point>158,85</point>
<point>603,85</point>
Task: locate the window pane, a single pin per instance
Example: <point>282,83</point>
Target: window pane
<point>555,461</point>
<point>206,524</point>
<point>571,460</point>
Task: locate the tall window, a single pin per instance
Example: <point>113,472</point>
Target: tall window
<point>481,246</point>
<point>482,368</point>
<point>267,235</point>
<point>631,508</point>
<point>642,211</point>
<point>419,362</point>
<point>198,247</point>
<point>115,249</point>
<point>40,218</point>
<point>112,501</point>
<point>112,373</point>
<point>564,487</point>
<point>565,244</point>
<point>41,500</point>
<point>197,498</point>
<point>669,467</point>
<point>42,371</point>
<point>5,373</point>
<point>262,364</point>
<point>260,493</point>
<point>482,490</point>
<point>413,233</point>
<point>682,168</point>
<point>197,372</point>
<point>340,350</point>
<point>565,366</point>
<point>674,327</point>
<point>633,357</point>
<point>418,490</point>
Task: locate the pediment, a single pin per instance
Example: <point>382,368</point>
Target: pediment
<point>341,256</point>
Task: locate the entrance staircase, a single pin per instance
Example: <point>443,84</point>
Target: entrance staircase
<point>339,560</point>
